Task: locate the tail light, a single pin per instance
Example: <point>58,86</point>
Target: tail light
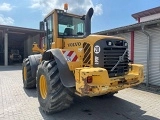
<point>89,79</point>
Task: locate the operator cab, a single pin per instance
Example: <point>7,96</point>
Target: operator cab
<point>60,24</point>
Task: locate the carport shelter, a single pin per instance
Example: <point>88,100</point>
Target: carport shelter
<point>18,38</point>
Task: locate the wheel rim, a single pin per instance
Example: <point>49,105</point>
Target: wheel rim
<point>43,87</point>
<point>25,73</point>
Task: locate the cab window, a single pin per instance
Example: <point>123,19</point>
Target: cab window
<point>70,26</point>
<point>49,29</point>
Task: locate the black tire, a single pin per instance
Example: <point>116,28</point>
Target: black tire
<point>58,96</point>
<point>28,81</point>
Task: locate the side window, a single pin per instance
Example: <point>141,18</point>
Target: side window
<point>49,29</point>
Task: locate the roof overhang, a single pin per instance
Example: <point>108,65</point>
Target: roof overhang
<point>146,13</point>
<point>133,27</point>
<point>20,30</point>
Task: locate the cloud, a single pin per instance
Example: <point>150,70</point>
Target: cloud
<point>5,7</point>
<point>75,6</point>
<point>98,9</point>
<point>6,20</point>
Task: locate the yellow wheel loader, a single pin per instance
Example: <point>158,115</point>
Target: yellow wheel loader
<point>74,61</point>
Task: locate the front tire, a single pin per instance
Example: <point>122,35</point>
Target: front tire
<point>52,95</point>
<point>28,80</point>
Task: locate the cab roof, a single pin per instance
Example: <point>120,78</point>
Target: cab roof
<point>55,10</point>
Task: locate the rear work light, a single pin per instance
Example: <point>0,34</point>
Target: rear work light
<point>89,79</point>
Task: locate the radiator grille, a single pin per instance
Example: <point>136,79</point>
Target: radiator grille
<point>111,57</point>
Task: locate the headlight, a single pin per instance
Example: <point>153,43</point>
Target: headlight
<point>60,11</point>
<point>109,43</point>
<point>125,44</point>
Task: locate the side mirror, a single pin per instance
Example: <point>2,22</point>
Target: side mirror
<point>41,25</point>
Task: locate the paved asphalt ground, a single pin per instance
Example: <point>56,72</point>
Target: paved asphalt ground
<point>17,103</point>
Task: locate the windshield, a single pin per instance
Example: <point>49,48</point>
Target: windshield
<point>70,26</point>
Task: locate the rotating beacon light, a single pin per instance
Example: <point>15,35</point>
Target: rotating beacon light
<point>66,7</point>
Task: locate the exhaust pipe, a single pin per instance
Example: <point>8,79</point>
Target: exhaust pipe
<point>88,21</point>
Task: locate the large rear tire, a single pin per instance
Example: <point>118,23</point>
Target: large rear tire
<point>28,80</point>
<point>52,95</point>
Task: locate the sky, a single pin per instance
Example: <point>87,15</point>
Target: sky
<point>108,14</point>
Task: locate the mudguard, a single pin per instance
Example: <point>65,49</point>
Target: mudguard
<point>34,62</point>
<point>66,76</point>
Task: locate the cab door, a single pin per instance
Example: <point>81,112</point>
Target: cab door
<point>49,31</point>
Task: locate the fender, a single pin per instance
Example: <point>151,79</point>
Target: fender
<point>66,76</point>
<point>34,62</point>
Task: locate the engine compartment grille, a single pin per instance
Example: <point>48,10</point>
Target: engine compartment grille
<point>111,57</point>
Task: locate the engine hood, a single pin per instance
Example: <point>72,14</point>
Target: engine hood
<point>93,38</point>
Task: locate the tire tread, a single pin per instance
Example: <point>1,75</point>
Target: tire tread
<point>30,82</point>
<point>60,97</point>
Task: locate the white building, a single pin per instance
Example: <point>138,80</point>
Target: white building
<point>144,42</point>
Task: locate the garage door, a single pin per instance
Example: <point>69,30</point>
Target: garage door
<point>154,66</point>
<point>140,49</point>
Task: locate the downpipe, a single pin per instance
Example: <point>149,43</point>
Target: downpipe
<point>148,53</point>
